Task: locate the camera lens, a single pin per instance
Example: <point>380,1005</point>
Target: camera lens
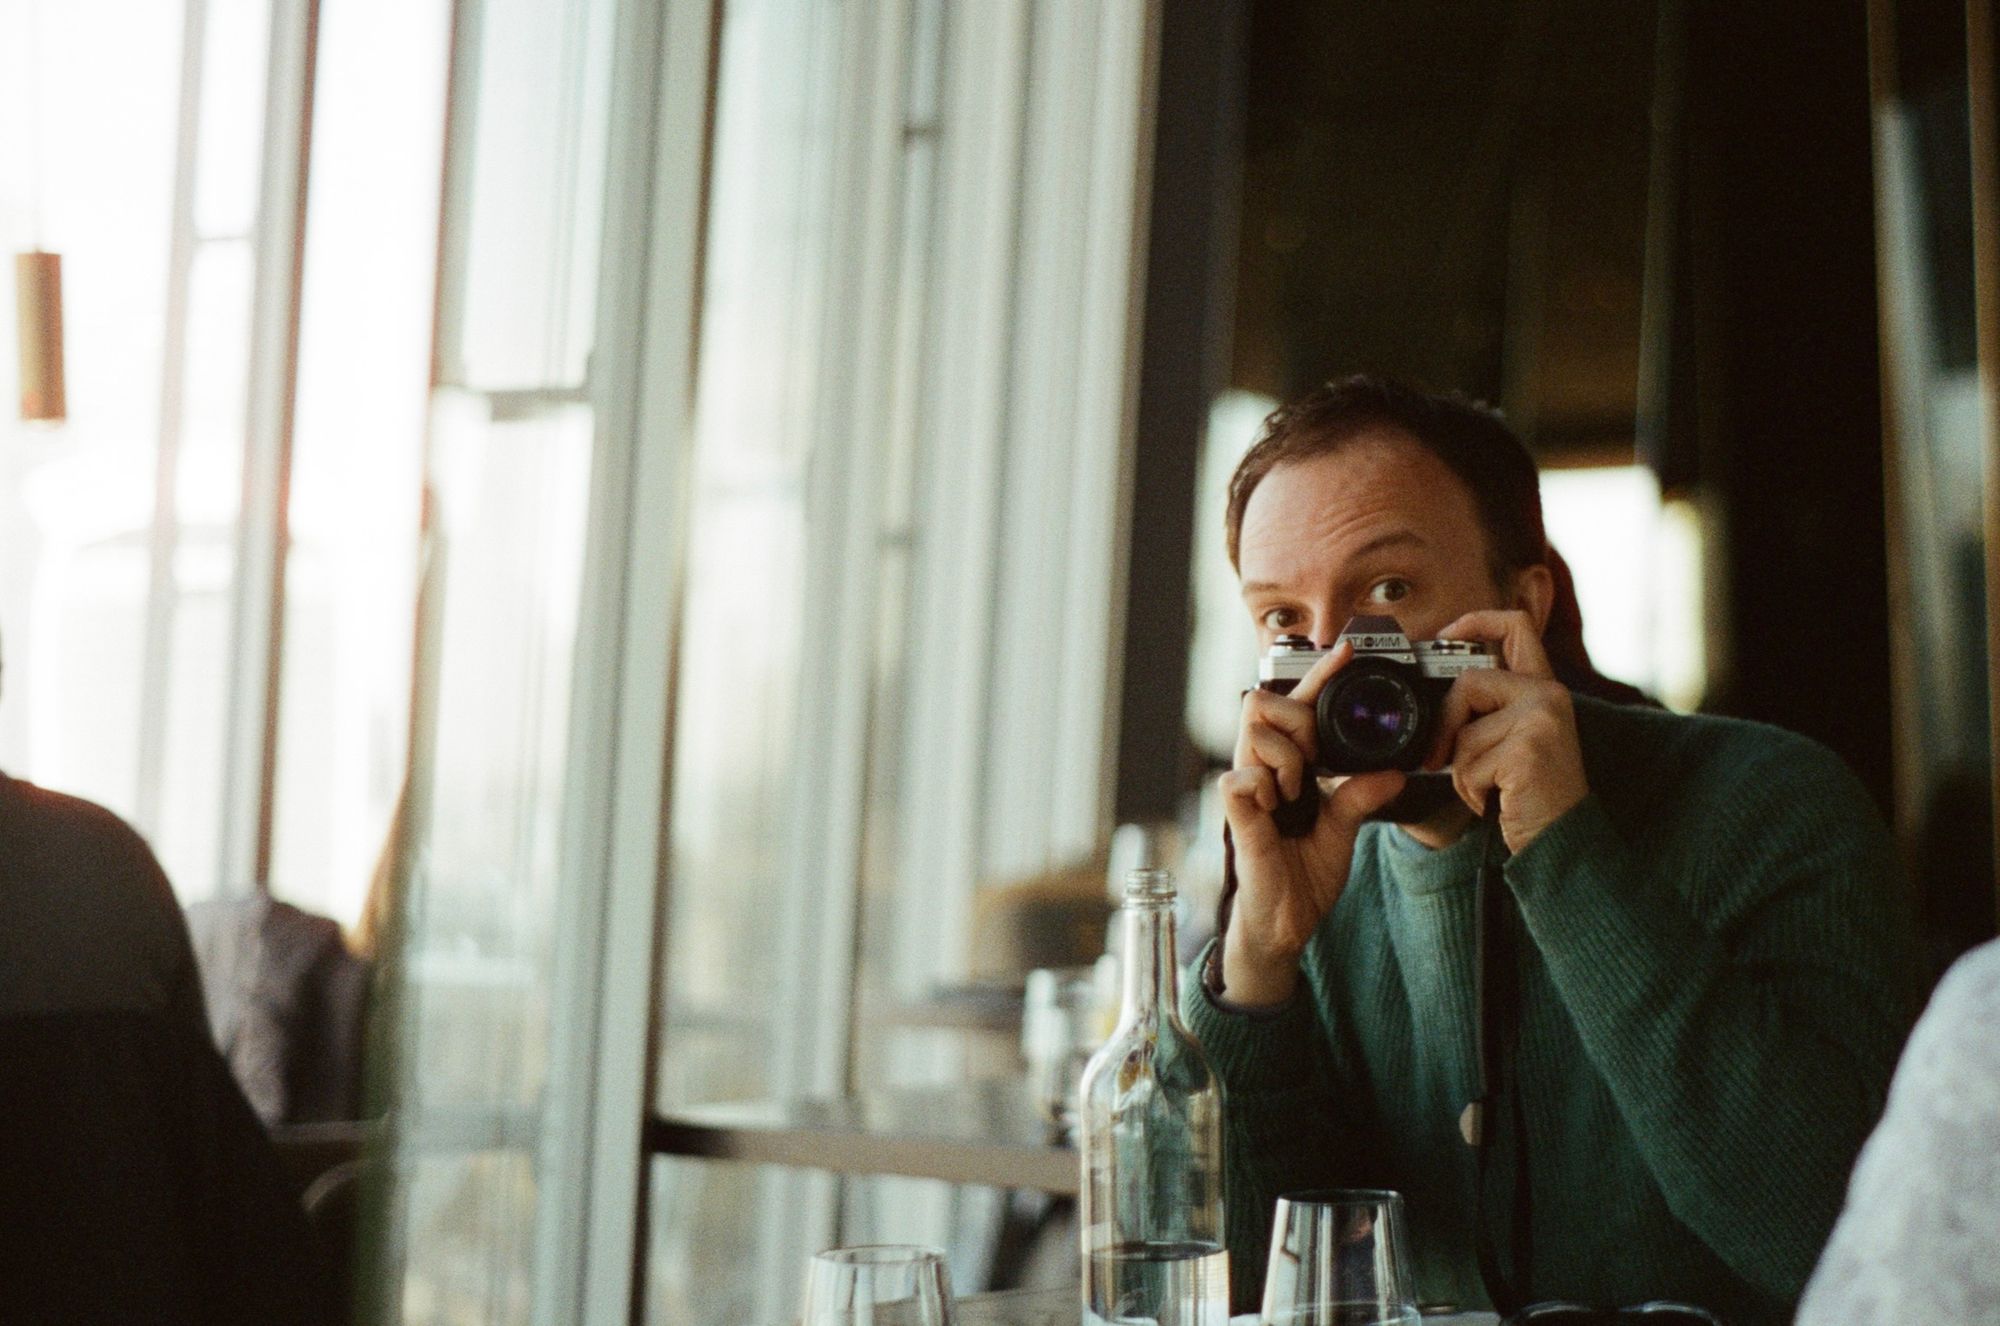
<point>1373,717</point>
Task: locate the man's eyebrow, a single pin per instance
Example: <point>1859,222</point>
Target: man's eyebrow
<point>1393,539</point>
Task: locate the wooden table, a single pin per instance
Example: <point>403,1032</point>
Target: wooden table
<point>1021,1307</point>
<point>981,1132</point>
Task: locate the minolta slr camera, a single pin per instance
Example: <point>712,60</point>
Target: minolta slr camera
<point>1380,711</point>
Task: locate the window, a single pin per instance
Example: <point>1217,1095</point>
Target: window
<point>158,153</point>
<point>1637,564</point>
<point>478,1007</point>
<point>898,639</point>
<point>354,519</point>
<point>88,134</point>
<point>867,550</point>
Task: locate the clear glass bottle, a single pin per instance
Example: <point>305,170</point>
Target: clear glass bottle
<point>1150,1115</point>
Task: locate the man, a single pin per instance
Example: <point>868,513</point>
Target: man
<point>137,1184</point>
<point>1714,968</point>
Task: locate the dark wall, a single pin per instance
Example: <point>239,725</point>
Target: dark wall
<point>1781,254</point>
<point>1181,366</point>
<point>1453,193</point>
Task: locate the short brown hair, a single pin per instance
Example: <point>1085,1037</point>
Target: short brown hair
<point>1469,437</point>
<point>1474,443</point>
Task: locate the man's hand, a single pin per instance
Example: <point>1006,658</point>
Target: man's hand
<point>1286,886</point>
<point>1514,731</point>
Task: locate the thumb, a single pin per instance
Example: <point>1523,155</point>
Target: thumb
<point>1361,796</point>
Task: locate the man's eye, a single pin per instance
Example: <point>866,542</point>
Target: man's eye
<point>1277,619</point>
<point>1390,590</point>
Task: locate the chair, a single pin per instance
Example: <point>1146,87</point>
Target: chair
<point>138,1185</point>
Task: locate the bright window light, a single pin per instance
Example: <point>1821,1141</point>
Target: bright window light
<point>1637,563</point>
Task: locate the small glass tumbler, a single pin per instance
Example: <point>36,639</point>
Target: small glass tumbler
<point>1339,1257</point>
<point>888,1284</point>
<point>1061,1027</point>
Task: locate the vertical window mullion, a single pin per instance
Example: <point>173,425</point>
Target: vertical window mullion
<point>162,590</point>
<point>855,352</point>
<point>257,617</point>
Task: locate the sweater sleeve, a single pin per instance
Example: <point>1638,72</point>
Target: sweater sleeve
<point>1283,1126</point>
<point>1743,1002</point>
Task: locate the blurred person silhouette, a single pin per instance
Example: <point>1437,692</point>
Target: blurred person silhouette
<point>138,1185</point>
<point>1917,1239</point>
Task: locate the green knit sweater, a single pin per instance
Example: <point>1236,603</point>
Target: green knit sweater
<point>1717,973</point>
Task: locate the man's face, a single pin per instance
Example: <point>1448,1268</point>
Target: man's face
<point>1380,526</point>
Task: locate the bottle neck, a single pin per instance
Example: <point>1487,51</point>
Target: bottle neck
<point>1152,979</point>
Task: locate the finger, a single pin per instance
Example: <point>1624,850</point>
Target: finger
<point>1277,752</point>
<point>1514,631</point>
<point>1310,685</point>
<point>1475,778</point>
<point>1481,735</point>
<point>1513,738</point>
<point>1248,798</point>
<point>1474,694</point>
<point>1254,792</point>
<point>1281,712</point>
<point>1356,798</point>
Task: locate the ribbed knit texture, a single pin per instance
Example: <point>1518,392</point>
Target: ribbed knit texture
<point>1717,973</point>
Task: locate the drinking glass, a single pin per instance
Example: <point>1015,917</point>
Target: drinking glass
<point>1339,1257</point>
<point>1062,1025</point>
<point>889,1284</point>
<point>1659,1312</point>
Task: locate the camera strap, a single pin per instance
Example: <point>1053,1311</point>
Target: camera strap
<point>1496,1031</point>
<point>1496,1038</point>
<point>1224,905</point>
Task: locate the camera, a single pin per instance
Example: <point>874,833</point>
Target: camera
<point>1380,711</point>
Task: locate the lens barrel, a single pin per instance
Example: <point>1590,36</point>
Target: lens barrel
<point>1375,714</point>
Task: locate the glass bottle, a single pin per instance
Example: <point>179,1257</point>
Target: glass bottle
<point>1150,1114</point>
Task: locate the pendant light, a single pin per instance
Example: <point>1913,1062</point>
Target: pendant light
<point>38,310</point>
<point>38,275</point>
